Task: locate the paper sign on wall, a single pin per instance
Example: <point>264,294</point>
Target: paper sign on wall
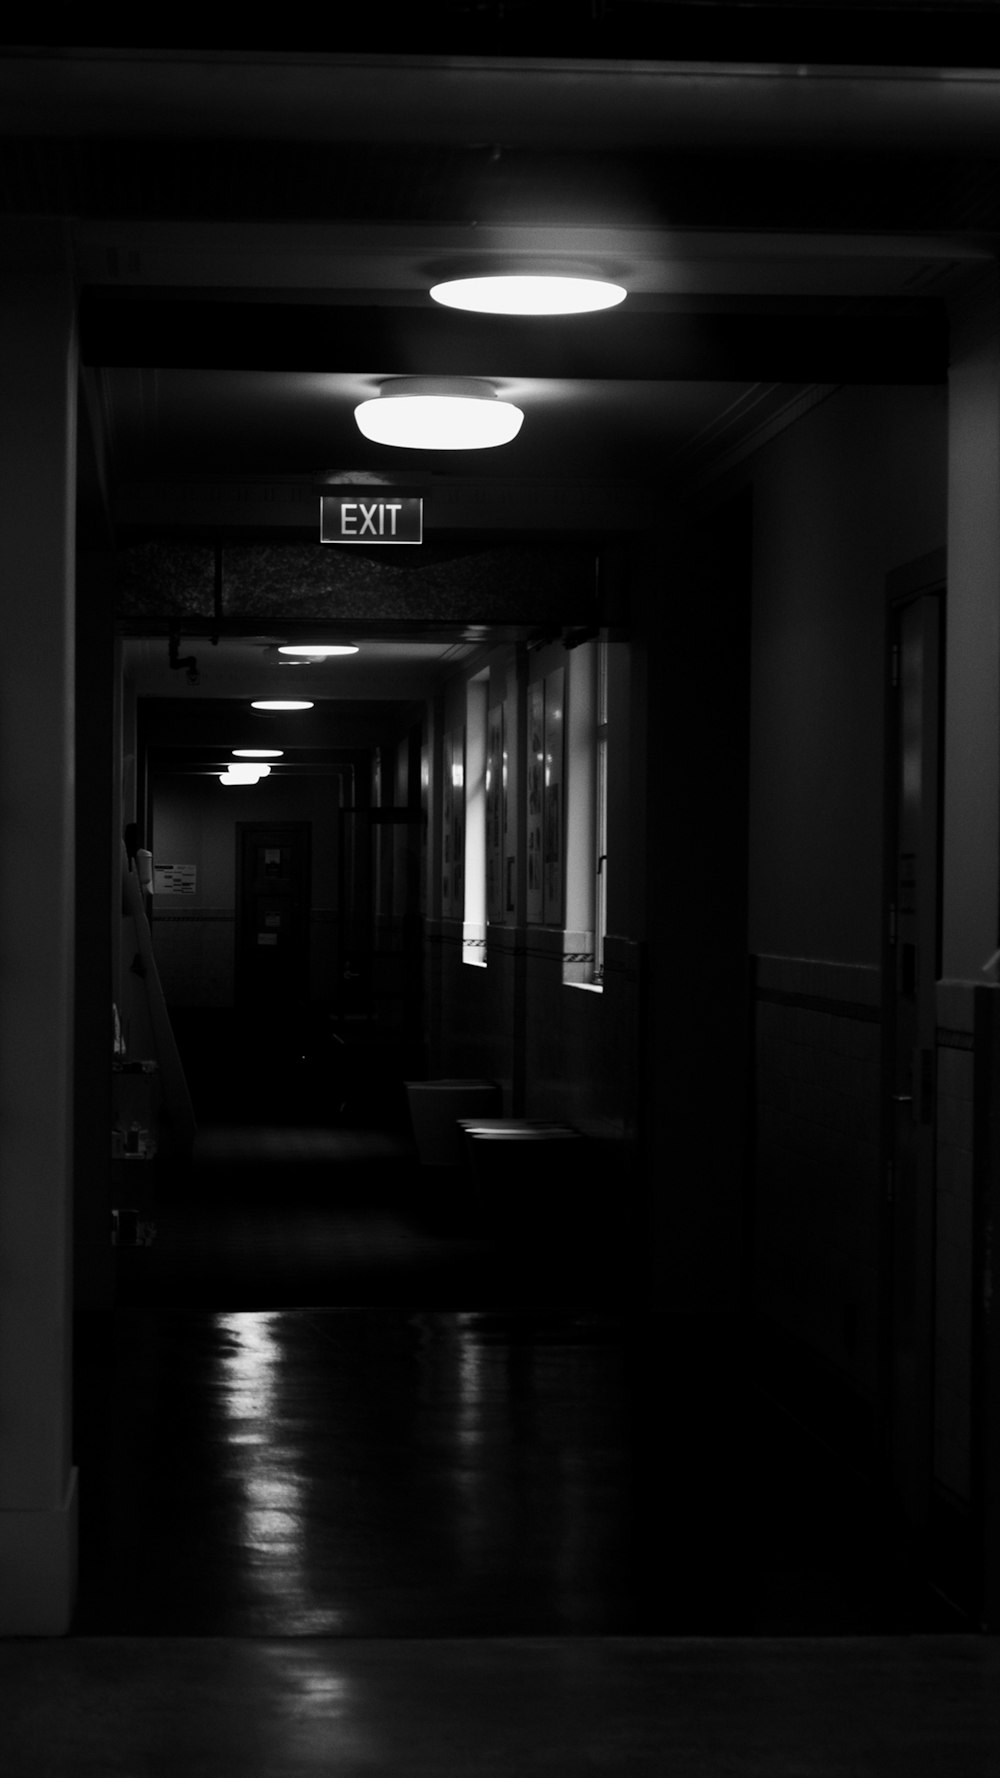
<point>175,879</point>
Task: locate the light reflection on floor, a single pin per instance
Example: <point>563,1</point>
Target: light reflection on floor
<point>273,1484</point>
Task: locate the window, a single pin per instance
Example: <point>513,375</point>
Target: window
<point>601,813</point>
<point>586,844</point>
<point>474,911</point>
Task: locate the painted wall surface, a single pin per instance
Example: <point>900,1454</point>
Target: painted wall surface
<point>194,823</point>
<point>852,491</point>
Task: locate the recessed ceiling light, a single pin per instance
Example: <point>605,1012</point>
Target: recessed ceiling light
<point>258,752</point>
<point>525,294</point>
<point>317,651</point>
<point>281,704</point>
<point>439,414</point>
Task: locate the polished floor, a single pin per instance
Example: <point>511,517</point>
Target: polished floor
<point>328,1403</point>
<point>364,1492</point>
<point>622,1707</point>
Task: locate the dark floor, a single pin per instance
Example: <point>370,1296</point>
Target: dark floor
<point>329,1404</point>
<point>364,1491</point>
<point>544,1707</point>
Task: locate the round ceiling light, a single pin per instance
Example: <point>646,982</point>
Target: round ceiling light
<point>281,704</point>
<point>241,773</point>
<point>529,295</point>
<point>258,752</point>
<point>439,414</point>
<point>317,651</point>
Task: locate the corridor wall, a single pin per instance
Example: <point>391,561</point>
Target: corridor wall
<point>560,1049</point>
<point>853,492</point>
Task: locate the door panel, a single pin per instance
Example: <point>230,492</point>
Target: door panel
<point>272,914</point>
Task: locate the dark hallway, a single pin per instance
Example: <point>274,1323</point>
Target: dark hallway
<point>645,764</point>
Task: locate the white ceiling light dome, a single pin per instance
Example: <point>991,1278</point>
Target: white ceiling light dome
<point>281,704</point>
<point>317,651</point>
<point>241,772</point>
<point>439,414</point>
<point>523,293</point>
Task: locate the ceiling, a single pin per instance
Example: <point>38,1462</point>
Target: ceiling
<point>247,667</point>
<point>254,235</point>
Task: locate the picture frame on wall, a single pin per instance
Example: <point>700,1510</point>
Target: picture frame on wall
<point>552,823</point>
<point>453,825</point>
<point>535,786</point>
<point>544,783</point>
<point>495,823</point>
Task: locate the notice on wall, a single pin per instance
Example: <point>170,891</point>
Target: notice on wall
<point>175,879</point>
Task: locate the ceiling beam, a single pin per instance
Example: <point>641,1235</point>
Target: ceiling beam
<point>790,342</point>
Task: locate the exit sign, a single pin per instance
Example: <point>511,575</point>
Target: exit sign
<point>370,515</point>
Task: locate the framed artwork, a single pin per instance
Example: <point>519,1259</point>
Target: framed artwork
<point>534,828</point>
<point>495,825</point>
<point>507,839</point>
<point>453,825</point>
<point>552,799</point>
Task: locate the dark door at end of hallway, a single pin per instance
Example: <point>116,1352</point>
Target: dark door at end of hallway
<point>272,915</point>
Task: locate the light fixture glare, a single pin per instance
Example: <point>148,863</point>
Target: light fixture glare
<point>241,771</point>
<point>427,414</point>
<point>281,704</point>
<point>257,752</point>
<point>529,294</point>
<point>317,651</point>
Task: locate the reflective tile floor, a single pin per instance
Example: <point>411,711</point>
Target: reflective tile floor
<point>917,1707</point>
<point>361,1495</point>
<point>397,1472</point>
<point>318,1410</point>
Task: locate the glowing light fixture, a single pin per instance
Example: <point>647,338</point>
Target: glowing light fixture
<point>317,651</point>
<point>517,294</point>
<point>241,772</point>
<point>439,414</point>
<point>281,704</point>
<point>258,752</point>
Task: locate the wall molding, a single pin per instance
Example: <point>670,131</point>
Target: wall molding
<point>847,990</point>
